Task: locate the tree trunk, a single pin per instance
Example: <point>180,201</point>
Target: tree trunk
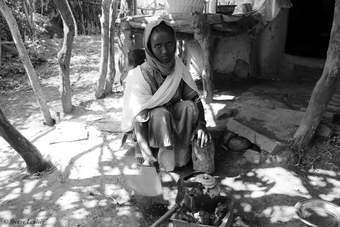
<point>26,62</point>
<point>125,44</point>
<point>324,88</point>
<point>33,158</point>
<point>74,21</point>
<point>0,49</point>
<point>28,11</point>
<point>104,20</point>
<point>126,8</point>
<point>202,33</point>
<point>112,69</point>
<point>64,55</point>
<point>82,20</point>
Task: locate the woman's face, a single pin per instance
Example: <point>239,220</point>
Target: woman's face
<point>163,46</point>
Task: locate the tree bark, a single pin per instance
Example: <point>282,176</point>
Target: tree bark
<point>104,21</point>
<point>324,88</point>
<point>64,55</point>
<point>33,158</point>
<point>29,11</point>
<point>112,69</point>
<point>203,36</point>
<point>0,49</point>
<point>126,8</point>
<point>26,62</point>
<point>125,44</point>
<point>82,20</point>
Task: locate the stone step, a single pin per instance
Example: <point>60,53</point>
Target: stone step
<point>262,141</point>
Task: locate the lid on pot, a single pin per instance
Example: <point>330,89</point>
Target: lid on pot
<point>206,180</point>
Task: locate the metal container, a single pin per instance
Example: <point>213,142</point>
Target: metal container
<point>225,9</point>
<point>209,183</point>
<point>201,191</point>
<point>318,213</point>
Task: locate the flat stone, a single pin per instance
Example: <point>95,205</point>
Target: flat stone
<point>262,141</point>
<point>252,156</point>
<point>324,131</point>
<point>283,156</point>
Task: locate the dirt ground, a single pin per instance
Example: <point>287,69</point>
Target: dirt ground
<point>88,186</point>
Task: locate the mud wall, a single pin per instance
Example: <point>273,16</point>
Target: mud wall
<point>225,53</point>
<point>269,48</point>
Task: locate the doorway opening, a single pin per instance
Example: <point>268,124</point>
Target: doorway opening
<point>309,28</point>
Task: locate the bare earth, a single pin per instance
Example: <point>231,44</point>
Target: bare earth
<point>88,186</point>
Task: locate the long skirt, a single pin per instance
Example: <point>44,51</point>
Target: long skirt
<point>170,129</point>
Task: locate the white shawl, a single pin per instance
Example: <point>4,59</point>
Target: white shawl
<point>137,95</point>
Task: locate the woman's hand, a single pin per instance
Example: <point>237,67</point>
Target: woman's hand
<point>201,135</point>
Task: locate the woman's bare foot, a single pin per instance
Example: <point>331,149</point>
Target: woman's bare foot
<point>149,161</point>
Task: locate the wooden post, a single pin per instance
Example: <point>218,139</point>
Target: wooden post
<point>203,35</point>
<point>32,156</point>
<point>111,69</point>
<point>105,46</point>
<point>64,55</point>
<point>125,43</point>
<point>0,49</point>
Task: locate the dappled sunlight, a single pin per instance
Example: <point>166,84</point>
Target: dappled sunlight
<point>78,58</point>
<point>169,195</point>
<point>110,189</point>
<point>80,213</point>
<point>279,213</point>
<point>328,173</point>
<point>90,184</point>
<point>30,185</point>
<point>333,192</point>
<point>88,180</point>
<point>124,211</point>
<point>68,200</point>
<point>211,110</point>
<point>246,207</point>
<point>284,181</point>
<point>262,186</point>
<point>6,153</point>
<point>119,154</point>
<point>13,194</point>
<point>17,165</point>
<point>6,214</point>
<point>317,181</point>
<point>270,181</point>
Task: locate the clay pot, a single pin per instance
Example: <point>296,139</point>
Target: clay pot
<point>239,143</point>
<point>227,136</point>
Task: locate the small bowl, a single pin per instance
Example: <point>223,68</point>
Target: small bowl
<point>225,9</point>
<point>318,213</point>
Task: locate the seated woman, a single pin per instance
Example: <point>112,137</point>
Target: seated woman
<point>161,103</point>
